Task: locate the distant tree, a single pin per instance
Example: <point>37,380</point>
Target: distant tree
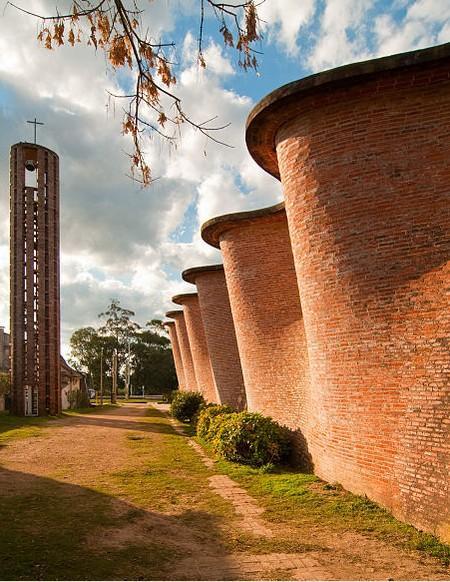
<point>117,28</point>
<point>147,350</point>
<point>88,347</point>
<point>153,361</point>
<point>5,384</point>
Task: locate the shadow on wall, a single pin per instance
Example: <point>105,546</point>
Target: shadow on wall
<point>301,458</point>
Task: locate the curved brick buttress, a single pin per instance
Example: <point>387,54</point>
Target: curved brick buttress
<point>190,380</point>
<point>219,332</point>
<point>200,356</point>
<point>176,354</point>
<point>264,300</point>
<point>364,158</point>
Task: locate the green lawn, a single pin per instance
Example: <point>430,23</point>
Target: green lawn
<point>303,500</point>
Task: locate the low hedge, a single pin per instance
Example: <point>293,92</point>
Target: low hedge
<point>186,405</point>
<point>249,438</point>
<point>206,415</point>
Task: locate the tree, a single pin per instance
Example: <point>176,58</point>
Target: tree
<point>118,30</point>
<point>154,367</point>
<point>88,348</point>
<point>149,348</point>
<point>5,383</point>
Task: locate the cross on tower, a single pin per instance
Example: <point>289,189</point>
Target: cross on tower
<point>35,123</point>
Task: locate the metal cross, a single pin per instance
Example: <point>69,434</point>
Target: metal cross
<point>35,123</point>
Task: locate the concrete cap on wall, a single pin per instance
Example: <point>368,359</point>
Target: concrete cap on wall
<point>275,109</point>
<point>34,146</point>
<point>214,228</point>
<point>174,313</point>
<point>182,297</point>
<point>191,274</point>
<point>167,323</point>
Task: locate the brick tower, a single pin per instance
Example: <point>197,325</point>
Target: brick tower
<point>34,264</point>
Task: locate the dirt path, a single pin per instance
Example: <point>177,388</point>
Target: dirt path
<point>117,495</point>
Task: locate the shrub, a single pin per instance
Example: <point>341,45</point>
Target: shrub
<point>185,405</point>
<point>169,396</point>
<point>249,438</point>
<point>206,415</point>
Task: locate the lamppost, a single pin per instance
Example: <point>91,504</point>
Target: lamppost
<point>114,378</point>
<point>101,377</point>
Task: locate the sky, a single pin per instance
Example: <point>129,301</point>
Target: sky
<point>119,240</point>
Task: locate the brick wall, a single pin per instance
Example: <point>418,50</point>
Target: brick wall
<point>364,159</point>
<point>190,381</point>
<point>170,325</point>
<point>219,332</point>
<point>206,383</point>
<point>265,304</point>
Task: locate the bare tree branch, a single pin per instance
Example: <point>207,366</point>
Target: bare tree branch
<point>118,31</point>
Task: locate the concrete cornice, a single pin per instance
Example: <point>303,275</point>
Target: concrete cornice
<point>34,146</point>
<point>190,275</point>
<point>182,297</point>
<point>174,313</point>
<point>275,109</point>
<point>213,229</point>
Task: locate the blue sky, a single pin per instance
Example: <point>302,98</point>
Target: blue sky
<point>118,240</point>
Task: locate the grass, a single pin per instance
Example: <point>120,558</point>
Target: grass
<point>17,427</point>
<point>304,501</point>
<point>90,409</point>
<point>126,525</point>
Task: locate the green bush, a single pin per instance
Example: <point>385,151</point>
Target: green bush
<point>185,405</point>
<point>249,438</point>
<point>169,396</point>
<point>205,417</point>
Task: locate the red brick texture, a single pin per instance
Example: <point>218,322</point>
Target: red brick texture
<point>34,262</point>
<point>170,325</point>
<point>199,349</point>
<point>264,300</point>
<point>365,168</point>
<point>189,379</point>
<point>219,332</point>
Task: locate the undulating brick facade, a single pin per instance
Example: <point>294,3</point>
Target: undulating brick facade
<point>206,383</point>
<point>363,154</point>
<point>262,287</point>
<point>219,332</point>
<point>189,381</point>
<point>170,325</point>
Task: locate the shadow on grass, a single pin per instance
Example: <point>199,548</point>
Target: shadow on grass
<point>62,531</point>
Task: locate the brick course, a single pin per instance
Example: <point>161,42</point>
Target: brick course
<point>266,310</point>
<point>219,332</point>
<point>206,383</point>
<point>34,265</point>
<point>170,325</point>
<point>364,158</point>
<point>189,378</point>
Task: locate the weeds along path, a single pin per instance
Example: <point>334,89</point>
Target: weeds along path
<point>121,494</point>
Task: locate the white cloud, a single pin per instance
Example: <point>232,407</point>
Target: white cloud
<point>115,237</point>
<point>284,20</point>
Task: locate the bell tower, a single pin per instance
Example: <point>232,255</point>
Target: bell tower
<point>34,265</point>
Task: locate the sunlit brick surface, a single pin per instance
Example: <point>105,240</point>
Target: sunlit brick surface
<point>189,380</point>
<point>197,341</point>
<point>264,300</point>
<point>365,167</point>
<point>219,332</point>
<point>170,325</point>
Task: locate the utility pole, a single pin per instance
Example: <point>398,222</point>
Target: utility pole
<point>127,377</point>
<point>101,377</point>
<point>114,379</point>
